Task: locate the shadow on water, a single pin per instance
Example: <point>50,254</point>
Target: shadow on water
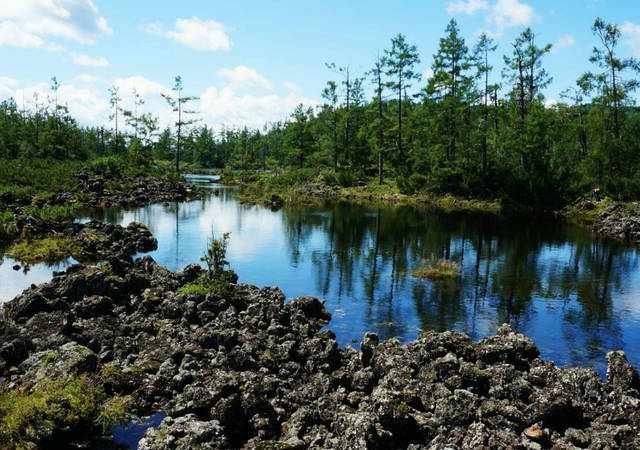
<point>575,296</point>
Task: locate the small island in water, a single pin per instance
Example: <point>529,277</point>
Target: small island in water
<point>436,253</point>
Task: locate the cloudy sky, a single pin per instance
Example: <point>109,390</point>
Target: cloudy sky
<point>252,61</point>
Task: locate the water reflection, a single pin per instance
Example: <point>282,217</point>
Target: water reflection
<point>13,282</point>
<point>576,297</point>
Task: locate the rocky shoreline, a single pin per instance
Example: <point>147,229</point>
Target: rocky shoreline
<point>38,218</point>
<point>607,218</point>
<point>241,368</point>
<point>133,191</point>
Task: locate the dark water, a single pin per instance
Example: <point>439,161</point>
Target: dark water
<point>576,297</point>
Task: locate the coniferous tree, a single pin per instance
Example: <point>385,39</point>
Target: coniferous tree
<point>178,103</point>
<point>400,61</point>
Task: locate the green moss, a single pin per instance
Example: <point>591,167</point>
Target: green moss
<point>49,250</point>
<point>28,418</point>
<point>113,411</point>
<point>439,270</point>
<point>193,289</point>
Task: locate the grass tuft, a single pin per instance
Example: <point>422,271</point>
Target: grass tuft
<point>34,418</point>
<point>49,250</point>
<point>442,269</point>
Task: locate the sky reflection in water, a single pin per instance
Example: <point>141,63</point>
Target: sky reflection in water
<point>577,298</point>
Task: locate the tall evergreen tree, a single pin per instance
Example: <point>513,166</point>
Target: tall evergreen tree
<point>178,103</point>
<point>400,61</point>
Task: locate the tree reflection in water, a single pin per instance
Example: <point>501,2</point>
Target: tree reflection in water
<point>576,297</point>
<point>532,275</point>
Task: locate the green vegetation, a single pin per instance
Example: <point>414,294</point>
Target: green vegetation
<point>194,289</point>
<point>49,250</point>
<point>217,279</point>
<point>470,130</point>
<point>30,418</point>
<point>309,187</point>
<point>8,228</point>
<point>438,270</point>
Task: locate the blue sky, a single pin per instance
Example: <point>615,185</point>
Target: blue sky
<point>252,61</point>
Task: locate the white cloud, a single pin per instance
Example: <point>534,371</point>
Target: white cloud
<point>142,85</point>
<point>7,87</point>
<point>29,23</point>
<point>226,107</point>
<point>86,78</point>
<point>153,28</point>
<point>500,14</point>
<point>510,13</point>
<point>87,104</point>
<point>199,34</point>
<point>467,6</point>
<point>14,36</point>
<point>88,61</point>
<point>631,33</point>
<point>243,76</point>
<point>564,41</point>
<point>220,106</point>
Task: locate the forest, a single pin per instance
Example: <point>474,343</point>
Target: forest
<point>468,130</point>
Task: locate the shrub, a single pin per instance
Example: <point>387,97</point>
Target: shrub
<point>412,184</point>
<point>215,256</point>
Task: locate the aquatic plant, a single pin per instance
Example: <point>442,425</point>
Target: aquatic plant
<point>439,270</point>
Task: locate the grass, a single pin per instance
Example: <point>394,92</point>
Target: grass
<point>29,419</point>
<point>194,289</point>
<point>291,188</point>
<point>54,212</point>
<point>49,250</point>
<point>442,269</point>
<point>8,229</point>
<point>221,285</point>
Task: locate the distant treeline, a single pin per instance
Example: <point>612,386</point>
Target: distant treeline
<point>465,130</point>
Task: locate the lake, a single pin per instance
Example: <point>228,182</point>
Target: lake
<point>576,297</point>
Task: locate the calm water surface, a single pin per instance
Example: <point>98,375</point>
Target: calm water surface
<point>576,297</point>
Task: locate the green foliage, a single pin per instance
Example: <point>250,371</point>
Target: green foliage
<point>49,250</point>
<point>112,412</point>
<point>221,284</point>
<point>217,280</point>
<point>31,418</point>
<point>6,217</point>
<point>54,212</point>
<point>412,184</point>
<point>466,130</point>
<point>194,289</point>
<point>215,256</point>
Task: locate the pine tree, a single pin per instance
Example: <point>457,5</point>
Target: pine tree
<point>178,102</point>
<point>400,61</point>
